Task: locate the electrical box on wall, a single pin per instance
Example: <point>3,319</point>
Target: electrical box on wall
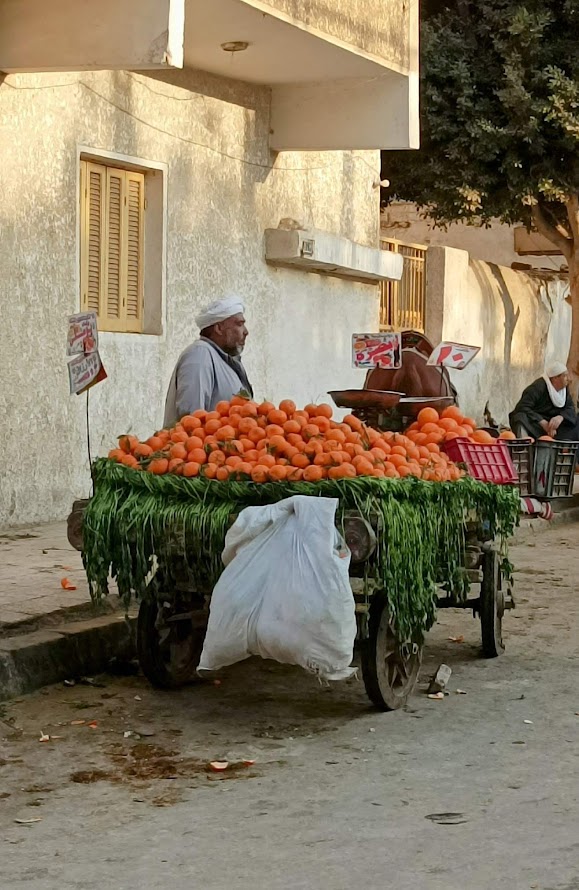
<point>312,250</point>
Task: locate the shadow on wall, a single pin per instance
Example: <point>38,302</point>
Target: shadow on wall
<point>514,340</point>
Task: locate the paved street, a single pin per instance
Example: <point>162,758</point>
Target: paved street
<point>475,792</point>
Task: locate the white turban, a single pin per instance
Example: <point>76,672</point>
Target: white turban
<point>219,311</point>
<point>556,369</point>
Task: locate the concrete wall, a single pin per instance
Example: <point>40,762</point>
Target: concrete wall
<point>223,189</point>
<point>403,221</point>
<point>521,323</point>
<point>376,27</point>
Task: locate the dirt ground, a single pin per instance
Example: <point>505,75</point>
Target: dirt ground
<point>475,792</point>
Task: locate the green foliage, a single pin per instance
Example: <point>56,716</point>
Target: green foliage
<point>136,517</point>
<point>499,113</point>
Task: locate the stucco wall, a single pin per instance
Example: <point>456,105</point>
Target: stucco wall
<point>223,189</point>
<point>520,322</point>
<point>403,221</point>
<point>375,26</point>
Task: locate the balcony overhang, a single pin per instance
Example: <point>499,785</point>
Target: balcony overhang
<point>327,254</point>
<point>326,93</point>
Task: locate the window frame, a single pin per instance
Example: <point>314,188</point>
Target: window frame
<point>154,256</point>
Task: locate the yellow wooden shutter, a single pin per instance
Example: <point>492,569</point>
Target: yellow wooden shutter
<point>114,240</point>
<point>92,236</point>
<point>112,246</point>
<point>135,207</point>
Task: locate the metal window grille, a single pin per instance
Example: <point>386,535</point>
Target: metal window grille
<point>403,303</point>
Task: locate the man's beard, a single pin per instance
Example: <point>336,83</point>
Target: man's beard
<point>233,351</point>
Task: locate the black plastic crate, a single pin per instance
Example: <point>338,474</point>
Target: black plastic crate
<point>521,451</point>
<point>554,466</point>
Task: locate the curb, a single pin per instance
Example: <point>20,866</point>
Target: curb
<point>51,655</point>
<point>529,528</point>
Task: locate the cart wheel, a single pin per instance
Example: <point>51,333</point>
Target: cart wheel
<point>168,652</point>
<point>389,674</point>
<point>492,606</point>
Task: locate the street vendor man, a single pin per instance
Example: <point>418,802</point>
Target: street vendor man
<point>210,369</point>
<point>546,408</point>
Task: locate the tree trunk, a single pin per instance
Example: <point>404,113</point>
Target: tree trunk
<point>573,360</point>
<point>565,236</point>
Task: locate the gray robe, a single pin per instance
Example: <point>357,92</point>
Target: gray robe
<point>204,375</point>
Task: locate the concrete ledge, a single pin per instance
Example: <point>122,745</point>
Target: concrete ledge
<point>81,648</point>
<point>529,528</point>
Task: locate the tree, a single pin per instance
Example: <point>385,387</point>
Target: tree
<point>500,122</point>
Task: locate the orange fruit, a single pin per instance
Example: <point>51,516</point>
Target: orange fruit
<point>222,474</point>
<point>481,437</point>
<point>266,460</point>
<point>278,417</point>
<point>210,471</point>
<point>218,458</point>
<point>507,434</point>
<point>427,415</point>
<point>364,468</point>
<point>142,450</point>
<point>190,423</point>
<point>246,425</point>
<point>249,409</point>
<point>353,422</point>
<point>191,469</point>
<point>175,464</point>
<point>212,426</point>
<point>256,435</point>
<point>178,451</point>
<point>259,474</point>
<point>233,461</point>
<point>127,443</point>
<point>155,442</point>
<point>198,456</point>
<point>313,474</point>
<point>454,412</point>
<point>130,461</point>
<point>159,466</point>
<point>222,408</point>
<point>274,429</point>
<point>265,408</point>
<point>288,407</point>
<point>447,423</point>
<point>291,427</point>
<point>310,431</point>
<point>225,433</point>
<point>278,473</point>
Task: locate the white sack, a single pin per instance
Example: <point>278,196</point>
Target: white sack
<point>285,593</point>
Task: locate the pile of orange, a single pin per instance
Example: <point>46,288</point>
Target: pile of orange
<point>432,428</point>
<point>264,443</point>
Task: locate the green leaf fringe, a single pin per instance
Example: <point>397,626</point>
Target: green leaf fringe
<point>136,517</point>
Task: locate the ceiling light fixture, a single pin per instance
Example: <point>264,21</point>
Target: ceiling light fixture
<point>234,46</point>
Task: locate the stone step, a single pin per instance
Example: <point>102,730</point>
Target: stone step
<point>69,650</point>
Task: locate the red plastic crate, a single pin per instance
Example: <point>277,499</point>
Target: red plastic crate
<point>487,463</point>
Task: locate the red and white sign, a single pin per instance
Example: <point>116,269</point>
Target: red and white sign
<point>453,355</point>
<point>83,335</point>
<point>86,368</point>
<point>383,350</point>
<point>84,371</point>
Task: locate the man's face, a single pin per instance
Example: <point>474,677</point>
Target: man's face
<point>561,381</point>
<point>231,334</point>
